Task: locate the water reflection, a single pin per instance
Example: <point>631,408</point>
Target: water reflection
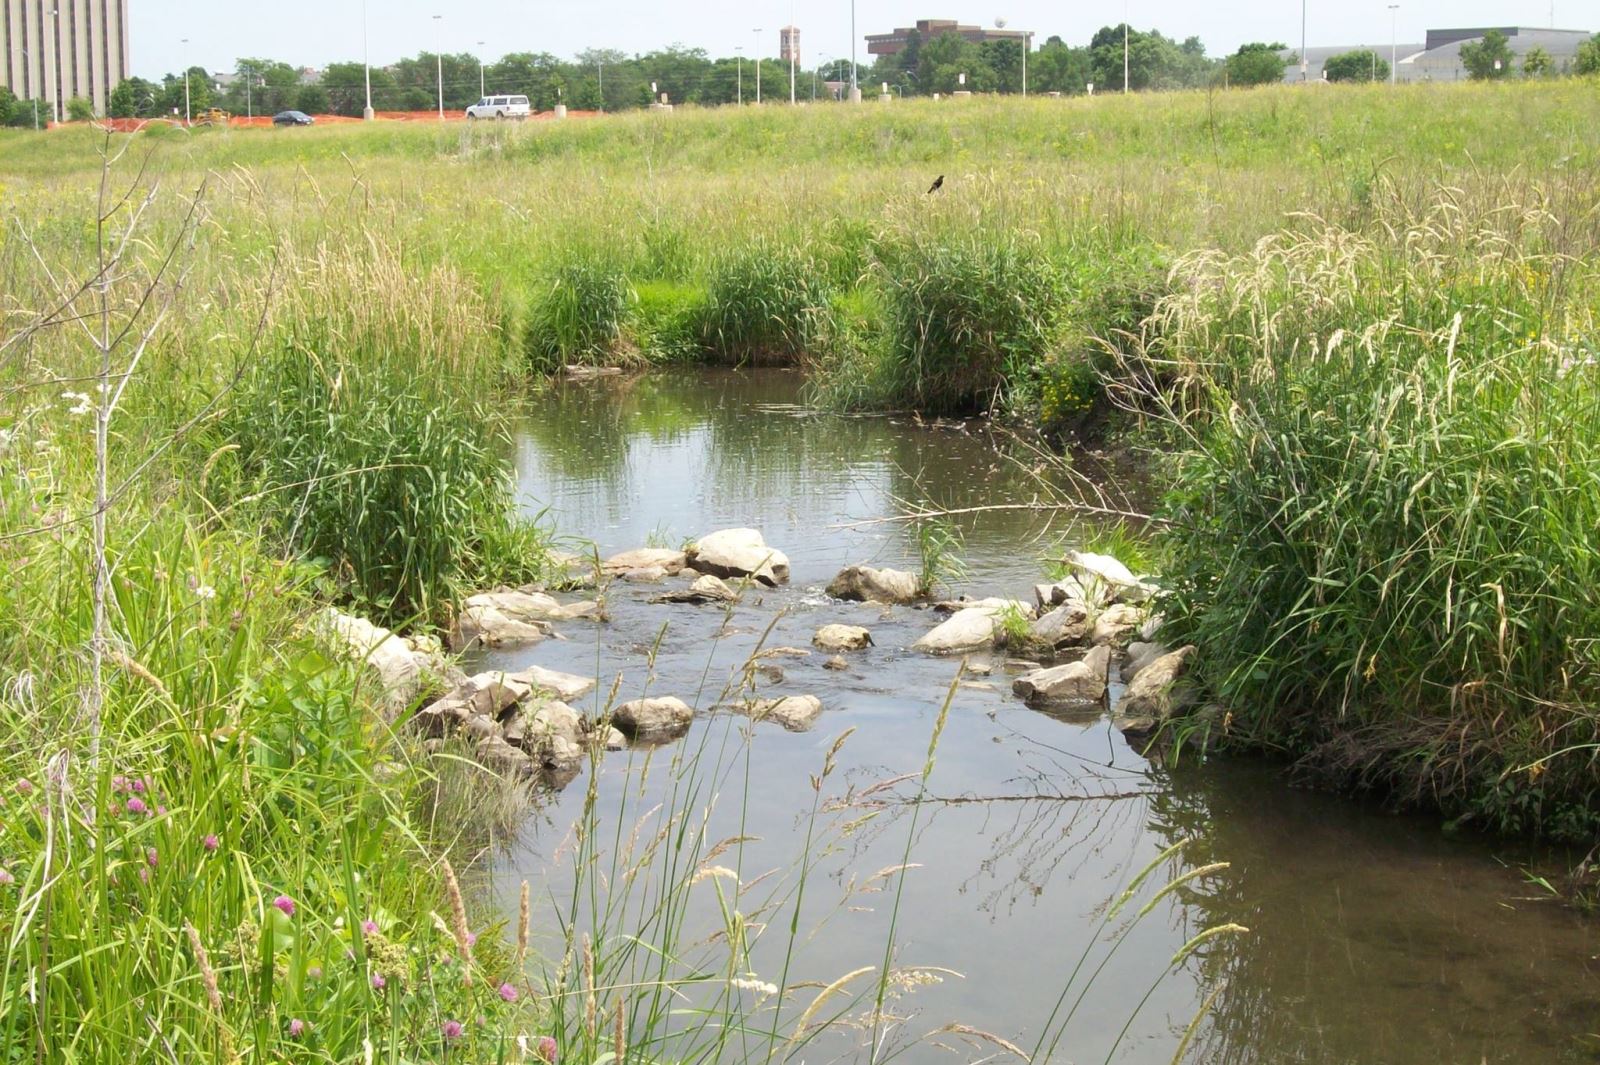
<point>1373,938</point>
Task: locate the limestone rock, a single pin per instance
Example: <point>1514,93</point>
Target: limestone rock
<point>1063,626</point>
<point>508,618</point>
<point>644,575</point>
<point>993,604</point>
<point>837,663</point>
<point>1116,623</point>
<point>552,732</point>
<point>706,589</point>
<point>495,753</point>
<point>655,719</point>
<point>797,713</point>
<point>1074,684</point>
<point>644,558</point>
<point>1158,692</point>
<point>739,553</point>
<point>1097,573</point>
<point>401,672</point>
<point>562,685</point>
<point>1141,654</point>
<point>841,638</point>
<point>973,629</point>
<point>1049,596</point>
<point>875,585</point>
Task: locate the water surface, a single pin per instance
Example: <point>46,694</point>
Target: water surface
<point>1373,938</point>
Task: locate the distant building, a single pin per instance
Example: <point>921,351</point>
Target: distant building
<point>789,44</point>
<point>928,28</point>
<point>1438,57</point>
<point>55,50</point>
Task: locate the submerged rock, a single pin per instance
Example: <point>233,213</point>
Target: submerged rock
<point>1080,683</point>
<point>870,585</point>
<point>1156,693</point>
<point>842,638</point>
<point>797,713</point>
<point>836,663</point>
<point>653,720</point>
<point>706,589</point>
<point>739,553</point>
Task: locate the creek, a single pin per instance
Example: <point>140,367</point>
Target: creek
<point>1373,937</point>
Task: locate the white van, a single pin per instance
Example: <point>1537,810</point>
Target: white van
<point>500,107</point>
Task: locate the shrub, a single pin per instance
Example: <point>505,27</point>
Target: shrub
<point>1360,65</point>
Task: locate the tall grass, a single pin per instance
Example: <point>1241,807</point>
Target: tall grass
<point>1385,494</point>
<point>579,316</point>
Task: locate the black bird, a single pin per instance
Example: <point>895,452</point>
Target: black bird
<point>938,183</point>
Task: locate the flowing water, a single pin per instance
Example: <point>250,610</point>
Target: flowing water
<point>1372,937</point>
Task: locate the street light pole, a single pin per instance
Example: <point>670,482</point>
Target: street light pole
<point>438,57</point>
<point>794,52</point>
<point>481,93</point>
<point>367,113</point>
<point>186,118</point>
<point>855,90</point>
<point>1303,64</point>
<point>1124,47</point>
<point>1027,41</point>
<point>738,73</point>
<point>1394,71</point>
<point>757,32</point>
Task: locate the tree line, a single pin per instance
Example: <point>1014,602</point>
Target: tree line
<point>609,80</point>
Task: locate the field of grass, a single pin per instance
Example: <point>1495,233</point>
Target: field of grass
<point>248,373</point>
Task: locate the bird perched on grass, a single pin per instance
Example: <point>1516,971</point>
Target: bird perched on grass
<point>938,183</point>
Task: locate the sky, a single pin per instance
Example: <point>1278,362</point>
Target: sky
<point>316,32</point>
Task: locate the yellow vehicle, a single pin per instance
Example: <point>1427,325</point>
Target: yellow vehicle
<point>211,116</point>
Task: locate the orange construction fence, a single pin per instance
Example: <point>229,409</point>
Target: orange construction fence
<point>131,125</point>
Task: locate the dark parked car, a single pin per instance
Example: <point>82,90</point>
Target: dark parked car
<point>292,118</point>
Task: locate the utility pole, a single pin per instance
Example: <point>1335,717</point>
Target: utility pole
<point>738,73</point>
<point>600,78</point>
<point>249,111</point>
<point>757,32</point>
<point>481,93</point>
<point>1124,47</point>
<point>794,51</point>
<point>186,118</point>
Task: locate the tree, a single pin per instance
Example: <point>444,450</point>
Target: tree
<point>1537,63</point>
<point>1361,65</point>
<point>1154,61</point>
<point>1257,64</point>
<point>1487,58</point>
<point>8,106</point>
<point>79,110</point>
<point>1058,67</point>
<point>1588,58</point>
<point>122,103</point>
<point>170,99</point>
<point>346,86</point>
<point>313,100</point>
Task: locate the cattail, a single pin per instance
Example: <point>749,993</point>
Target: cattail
<point>522,928</point>
<point>458,915</point>
<point>619,1037</point>
<point>589,1019</point>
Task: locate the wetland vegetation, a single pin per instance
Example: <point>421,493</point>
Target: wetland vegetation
<point>1349,336</point>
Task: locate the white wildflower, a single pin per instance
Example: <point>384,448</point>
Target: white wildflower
<point>80,401</point>
<point>205,591</point>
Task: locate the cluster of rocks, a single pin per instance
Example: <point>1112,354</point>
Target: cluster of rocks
<point>520,723</point>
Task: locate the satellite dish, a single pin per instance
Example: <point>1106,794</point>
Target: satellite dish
<point>1000,23</point>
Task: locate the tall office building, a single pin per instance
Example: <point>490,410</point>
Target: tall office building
<point>55,50</point>
<point>789,44</point>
